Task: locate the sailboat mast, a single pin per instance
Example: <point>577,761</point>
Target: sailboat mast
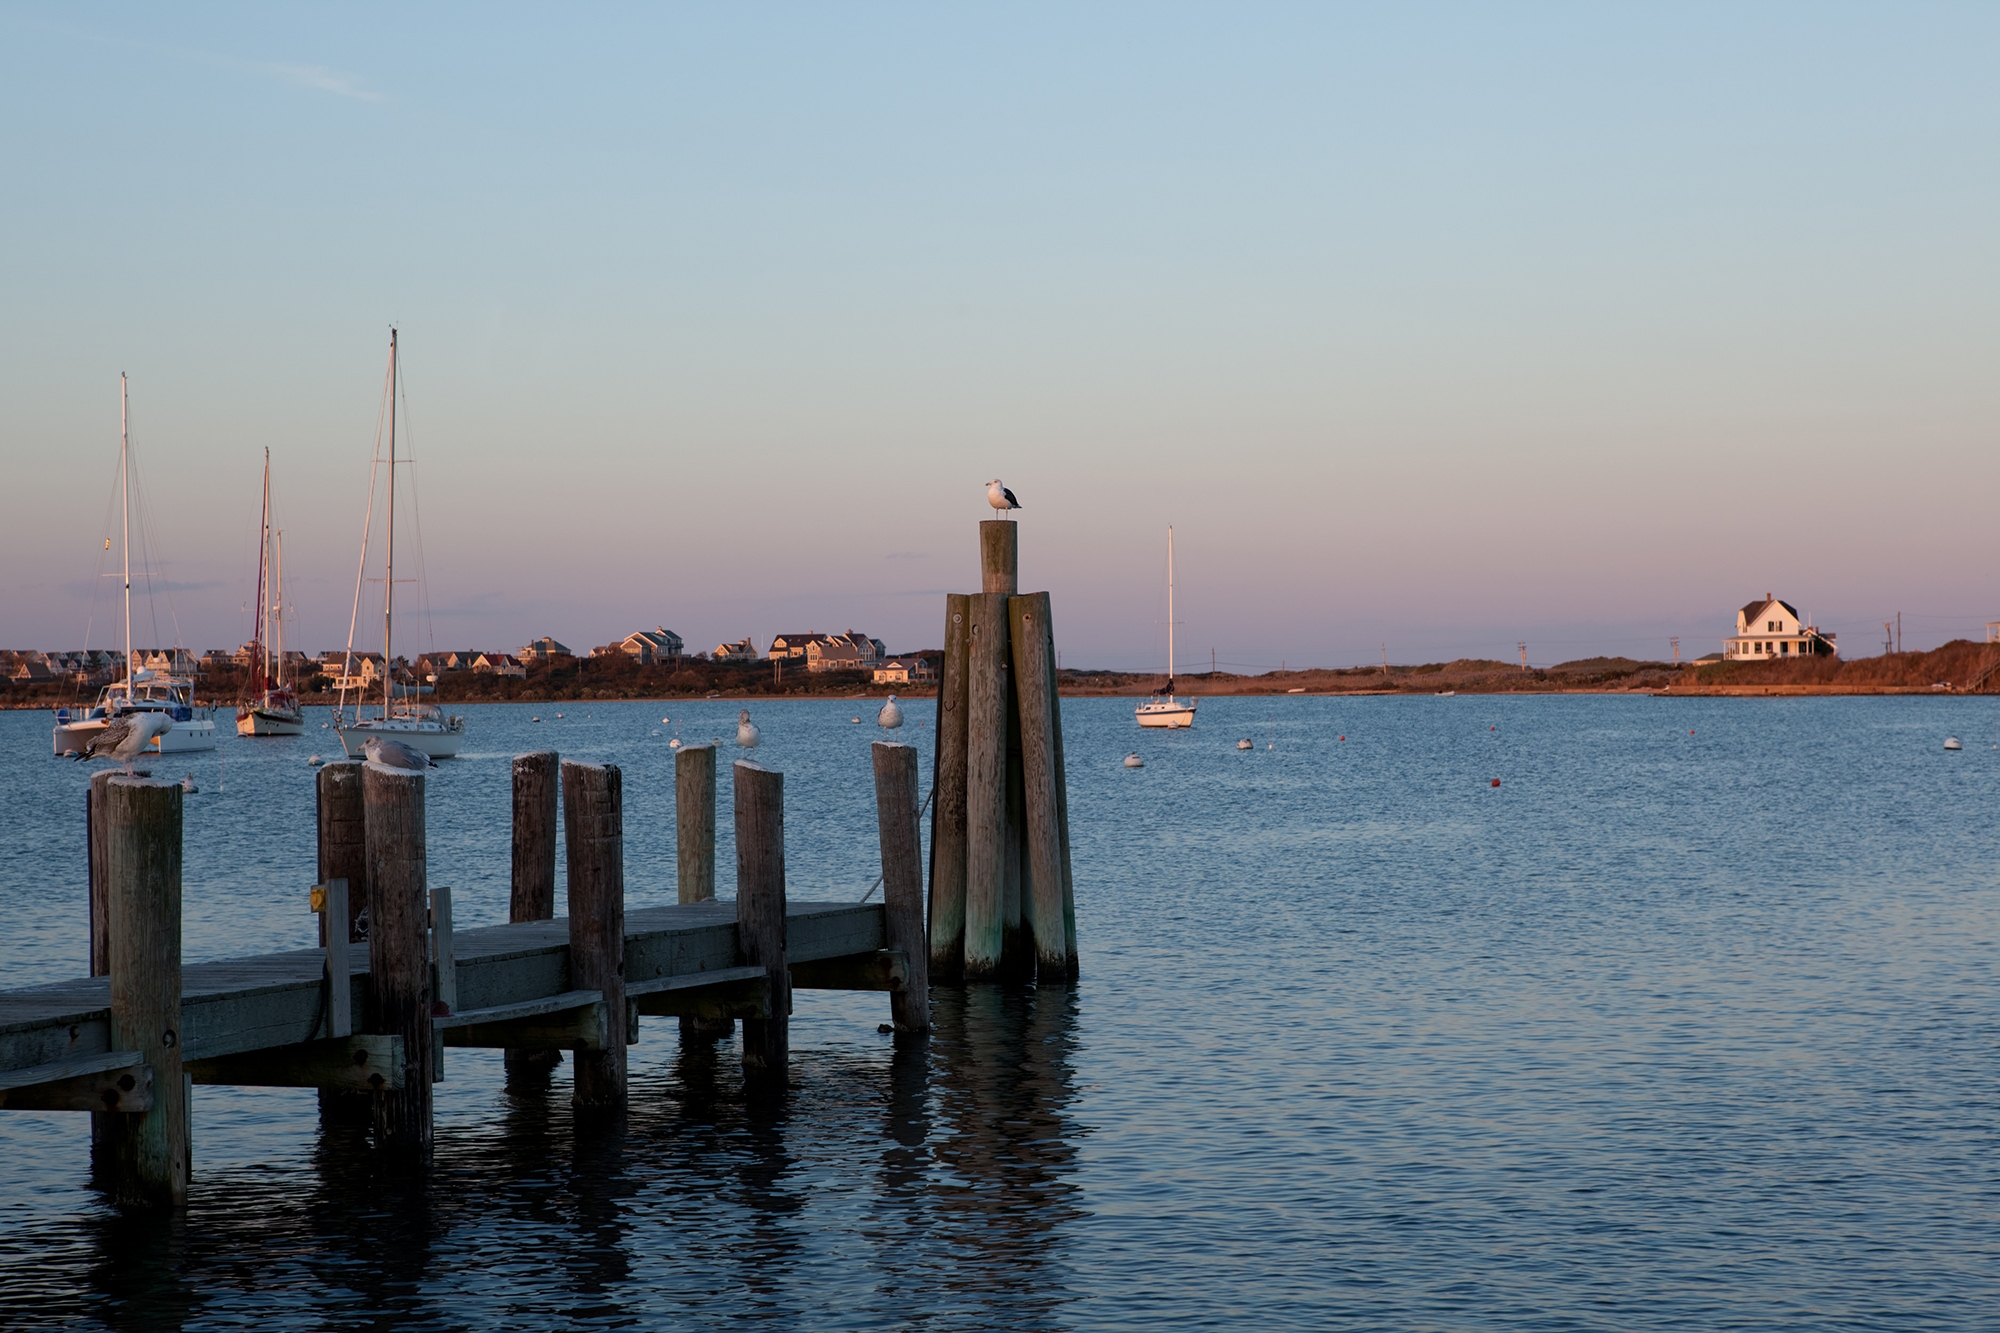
<point>389,583</point>
<point>125,491</point>
<point>262,627</point>
<point>278,608</point>
<point>1170,608</point>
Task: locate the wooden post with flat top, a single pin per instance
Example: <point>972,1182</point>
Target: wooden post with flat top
<point>694,855</point>
<point>986,787</point>
<point>947,914</point>
<point>143,1157</point>
<point>594,836</point>
<point>1042,830</point>
<point>343,839</point>
<point>999,556</point>
<point>532,896</point>
<point>760,913</point>
<point>398,948</point>
<point>903,881</point>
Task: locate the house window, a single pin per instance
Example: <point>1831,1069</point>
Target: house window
<point>1785,648</point>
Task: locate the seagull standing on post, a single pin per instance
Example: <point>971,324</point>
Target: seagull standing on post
<point>1000,497</point>
<point>891,715</point>
<point>747,734</point>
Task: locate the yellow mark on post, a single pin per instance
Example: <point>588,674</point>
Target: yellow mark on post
<point>319,898</point>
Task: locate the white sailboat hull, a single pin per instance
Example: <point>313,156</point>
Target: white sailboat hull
<point>197,733</point>
<point>1169,713</point>
<point>438,740</point>
<point>260,722</point>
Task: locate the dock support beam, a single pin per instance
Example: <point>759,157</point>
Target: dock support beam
<point>986,788</point>
<point>903,881</point>
<point>398,948</point>
<point>594,836</point>
<point>1042,831</point>
<point>533,896</point>
<point>760,913</point>
<point>143,1158</point>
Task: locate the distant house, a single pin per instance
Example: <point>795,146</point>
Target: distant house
<point>743,650</point>
<point>543,650</point>
<point>790,645</point>
<point>905,671</point>
<point>852,651</point>
<point>1769,628</point>
<point>218,659</point>
<point>32,668</point>
<point>498,664</point>
<point>169,661</point>
<point>645,647</point>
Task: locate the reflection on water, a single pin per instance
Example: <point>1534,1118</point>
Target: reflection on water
<point>924,1180</point>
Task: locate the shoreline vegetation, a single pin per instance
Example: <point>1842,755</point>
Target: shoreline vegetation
<point>1960,666</point>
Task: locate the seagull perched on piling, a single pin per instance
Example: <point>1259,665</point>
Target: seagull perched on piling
<point>891,716</point>
<point>1000,497</point>
<point>128,737</point>
<point>395,754</point>
<point>746,731</point>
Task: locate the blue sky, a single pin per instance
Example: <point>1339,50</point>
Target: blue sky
<point>1444,326</point>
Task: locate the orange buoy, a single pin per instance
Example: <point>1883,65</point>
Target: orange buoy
<point>1496,782</point>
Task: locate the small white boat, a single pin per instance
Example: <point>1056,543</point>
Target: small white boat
<point>1164,709</point>
<point>1246,744</point>
<point>423,727</point>
<point>142,691</point>
<point>1951,743</point>
<point>1133,760</point>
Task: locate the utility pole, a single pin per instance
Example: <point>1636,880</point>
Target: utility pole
<point>1524,654</point>
<point>1888,637</point>
<point>1211,663</point>
<point>1899,631</point>
<point>1385,659</point>
<point>1675,641</point>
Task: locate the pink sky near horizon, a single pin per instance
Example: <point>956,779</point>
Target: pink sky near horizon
<point>1441,329</point>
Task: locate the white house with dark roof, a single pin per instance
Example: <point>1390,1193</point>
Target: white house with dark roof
<point>1770,628</point>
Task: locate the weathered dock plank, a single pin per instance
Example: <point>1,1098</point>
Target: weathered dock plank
<point>234,1005</point>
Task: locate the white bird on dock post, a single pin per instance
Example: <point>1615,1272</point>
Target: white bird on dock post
<point>891,715</point>
<point>127,738</point>
<point>395,754</point>
<point>1000,497</point>
<point>747,734</point>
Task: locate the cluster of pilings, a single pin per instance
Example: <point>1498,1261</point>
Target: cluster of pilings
<point>1002,900</point>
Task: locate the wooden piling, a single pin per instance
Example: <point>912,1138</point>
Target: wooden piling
<point>947,914</point>
<point>999,556</point>
<point>1017,947</point>
<point>986,786</point>
<point>533,897</point>
<point>343,838</point>
<point>1062,789</point>
<point>97,831</point>
<point>1042,831</point>
<point>398,952</point>
<point>339,962</point>
<point>903,880</point>
<point>143,1157</point>
<point>533,893</point>
<point>594,836</point>
<point>694,820</point>
<point>760,912</point>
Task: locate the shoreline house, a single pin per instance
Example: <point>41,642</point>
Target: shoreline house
<point>852,651</point>
<point>905,671</point>
<point>498,664</point>
<point>743,650</point>
<point>1770,628</point>
<point>646,647</point>
<point>544,650</point>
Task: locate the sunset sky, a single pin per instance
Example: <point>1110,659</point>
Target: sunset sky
<point>1440,326</point>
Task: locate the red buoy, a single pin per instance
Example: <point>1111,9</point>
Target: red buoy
<point>1496,782</point>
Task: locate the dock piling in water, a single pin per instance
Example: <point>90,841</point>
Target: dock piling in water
<point>398,956</point>
<point>986,788</point>
<point>594,836</point>
<point>694,856</point>
<point>1041,830</point>
<point>903,881</point>
<point>532,895</point>
<point>760,913</point>
<point>143,1157</point>
<point>947,896</point>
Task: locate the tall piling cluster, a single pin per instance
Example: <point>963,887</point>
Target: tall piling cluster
<point>1002,900</point>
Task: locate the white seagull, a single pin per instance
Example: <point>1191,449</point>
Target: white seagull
<point>395,754</point>
<point>1000,497</point>
<point>891,716</point>
<point>746,731</point>
<point>128,737</point>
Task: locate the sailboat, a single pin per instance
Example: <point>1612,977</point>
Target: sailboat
<point>1163,709</point>
<point>142,690</point>
<point>418,725</point>
<point>274,711</point>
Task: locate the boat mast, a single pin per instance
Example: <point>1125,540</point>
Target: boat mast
<point>277,641</point>
<point>125,491</point>
<point>262,628</point>
<point>1170,610</point>
<point>389,583</point>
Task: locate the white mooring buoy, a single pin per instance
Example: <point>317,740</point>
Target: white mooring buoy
<point>1951,743</point>
<point>1134,761</point>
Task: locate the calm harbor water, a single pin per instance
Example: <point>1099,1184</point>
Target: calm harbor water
<point>1692,1023</point>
